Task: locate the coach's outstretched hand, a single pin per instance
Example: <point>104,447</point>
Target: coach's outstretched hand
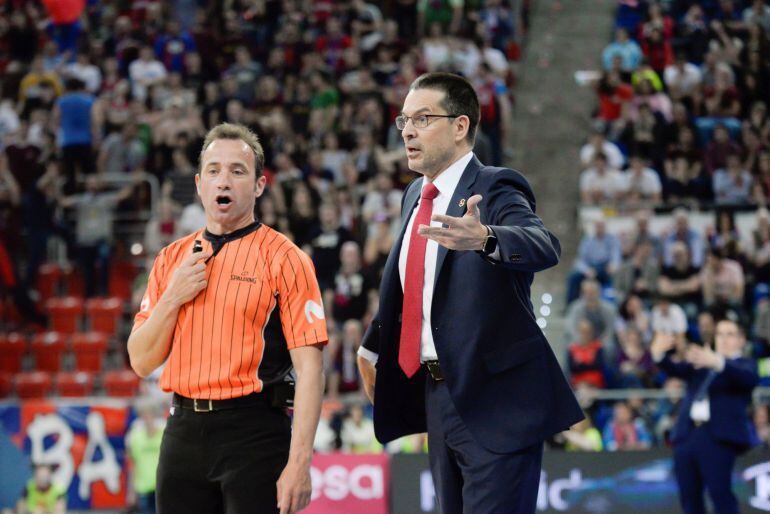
<point>188,279</point>
<point>466,233</point>
<point>294,488</point>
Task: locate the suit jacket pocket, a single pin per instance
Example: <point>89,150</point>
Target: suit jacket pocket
<point>501,356</point>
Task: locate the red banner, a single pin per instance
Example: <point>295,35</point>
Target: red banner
<point>351,484</point>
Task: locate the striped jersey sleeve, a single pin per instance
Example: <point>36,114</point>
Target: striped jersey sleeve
<point>302,312</point>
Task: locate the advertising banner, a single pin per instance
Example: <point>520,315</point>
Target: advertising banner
<point>349,483</point>
<point>85,443</point>
<point>596,483</point>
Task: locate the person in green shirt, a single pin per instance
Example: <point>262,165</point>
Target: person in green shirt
<point>42,495</point>
<point>143,448</point>
<point>584,437</point>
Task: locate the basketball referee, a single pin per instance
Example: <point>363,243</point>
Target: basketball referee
<point>230,310</point>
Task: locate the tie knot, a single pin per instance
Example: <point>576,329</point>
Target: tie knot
<point>429,192</point>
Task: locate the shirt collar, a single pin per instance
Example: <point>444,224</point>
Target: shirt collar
<point>447,181</point>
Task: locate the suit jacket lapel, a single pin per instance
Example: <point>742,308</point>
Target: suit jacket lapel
<point>462,192</point>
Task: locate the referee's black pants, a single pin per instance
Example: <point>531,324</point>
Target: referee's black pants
<point>224,461</point>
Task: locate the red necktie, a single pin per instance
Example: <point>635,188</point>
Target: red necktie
<point>411,317</point>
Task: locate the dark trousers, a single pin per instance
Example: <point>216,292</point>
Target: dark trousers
<point>94,261</point>
<point>224,462</point>
<point>76,160</point>
<point>701,462</point>
<point>467,477</point>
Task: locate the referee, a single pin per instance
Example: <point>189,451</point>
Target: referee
<point>230,310</point>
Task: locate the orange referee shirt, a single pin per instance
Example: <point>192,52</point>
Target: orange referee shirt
<point>230,341</point>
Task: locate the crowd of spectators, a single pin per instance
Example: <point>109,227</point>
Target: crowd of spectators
<point>681,127</point>
<point>682,107</point>
<point>102,101</point>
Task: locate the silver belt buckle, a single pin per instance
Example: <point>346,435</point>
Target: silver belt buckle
<point>204,408</point>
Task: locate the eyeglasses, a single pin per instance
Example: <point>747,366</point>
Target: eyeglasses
<point>420,121</point>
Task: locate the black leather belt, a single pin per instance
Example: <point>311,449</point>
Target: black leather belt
<point>215,405</point>
<point>434,370</point>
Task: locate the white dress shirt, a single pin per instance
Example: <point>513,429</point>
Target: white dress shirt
<point>446,183</point>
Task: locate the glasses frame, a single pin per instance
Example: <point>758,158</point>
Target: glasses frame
<point>427,116</point>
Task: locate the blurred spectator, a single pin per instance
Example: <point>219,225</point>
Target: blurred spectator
<point>600,184</point>
<point>86,72</point>
<point>599,257</point>
<point>350,295</point>
<point>161,229</point>
<point>600,313</point>
<point>598,143</point>
<point>761,426</point>
<point>172,46</point>
<point>669,318</point>
<point>143,448</point>
<point>683,233</point>
<point>639,274</point>
<point>326,240</point>
<point>344,378</point>
<point>73,117</point>
<point>583,437</point>
<point>446,13</point>
<point>625,431</point>
<point>667,410</point>
<point>682,78</point>
<point>706,329</point>
<point>627,49</point>
<point>42,495</point>
<point>641,185</point>
<point>633,315</point>
<point>719,148</point>
<point>643,234</point>
<point>358,432</point>
<point>121,151</point>
<point>585,357</point>
<point>94,212</point>
<point>634,364</point>
<point>732,184</point>
<point>681,282</point>
<point>382,204</point>
<point>722,279</point>
<point>145,72</point>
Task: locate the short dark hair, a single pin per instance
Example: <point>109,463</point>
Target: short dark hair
<point>459,97</point>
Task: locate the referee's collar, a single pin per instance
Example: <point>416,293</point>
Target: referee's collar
<point>231,236</point>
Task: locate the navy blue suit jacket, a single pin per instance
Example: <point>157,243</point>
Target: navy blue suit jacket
<point>501,372</point>
<point>729,397</point>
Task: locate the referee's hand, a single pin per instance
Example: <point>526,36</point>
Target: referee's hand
<point>294,488</point>
<point>188,279</point>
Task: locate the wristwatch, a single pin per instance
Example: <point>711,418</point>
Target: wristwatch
<point>490,243</point>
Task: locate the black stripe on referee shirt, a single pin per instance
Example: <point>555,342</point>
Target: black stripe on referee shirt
<point>245,306</point>
<point>214,322</point>
<point>224,308</point>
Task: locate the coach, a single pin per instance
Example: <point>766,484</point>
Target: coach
<point>229,322</point>
<point>455,348</point>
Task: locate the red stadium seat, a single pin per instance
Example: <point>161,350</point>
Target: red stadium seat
<point>35,384</point>
<point>48,281</point>
<point>65,313</point>
<point>123,383</point>
<point>89,349</point>
<point>74,283</point>
<point>74,384</point>
<point>6,384</point>
<point>122,275</point>
<point>48,348</point>
<point>12,349</point>
<point>104,314</point>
